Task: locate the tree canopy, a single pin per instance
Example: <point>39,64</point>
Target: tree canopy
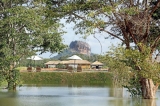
<point>26,27</point>
<point>130,21</point>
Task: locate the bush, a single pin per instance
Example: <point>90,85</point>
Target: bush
<point>66,78</point>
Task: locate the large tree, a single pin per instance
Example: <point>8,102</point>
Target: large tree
<point>26,27</point>
<point>133,22</point>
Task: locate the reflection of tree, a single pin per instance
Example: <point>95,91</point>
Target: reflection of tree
<point>116,92</point>
<point>143,102</point>
<point>121,98</point>
<point>131,102</point>
<point>148,102</point>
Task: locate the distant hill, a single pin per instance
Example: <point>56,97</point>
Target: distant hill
<point>64,53</point>
<point>79,48</point>
<point>68,52</point>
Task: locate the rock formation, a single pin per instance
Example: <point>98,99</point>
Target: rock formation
<point>80,47</point>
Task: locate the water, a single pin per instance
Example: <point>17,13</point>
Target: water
<point>51,95</point>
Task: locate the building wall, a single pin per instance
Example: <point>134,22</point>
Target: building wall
<point>51,66</point>
<point>85,66</point>
<point>96,66</point>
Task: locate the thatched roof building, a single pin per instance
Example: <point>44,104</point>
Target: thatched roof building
<point>97,65</point>
<point>73,63</point>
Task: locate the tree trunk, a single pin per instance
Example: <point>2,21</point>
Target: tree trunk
<point>12,73</point>
<point>11,86</point>
<point>148,88</point>
<point>11,80</point>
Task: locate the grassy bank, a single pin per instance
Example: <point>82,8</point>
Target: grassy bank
<point>66,78</point>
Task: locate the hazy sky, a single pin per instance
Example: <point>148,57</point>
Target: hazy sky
<point>94,43</point>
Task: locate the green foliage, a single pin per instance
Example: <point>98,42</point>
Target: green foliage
<point>120,71</point>
<point>129,66</point>
<point>26,28</point>
<point>124,20</point>
<point>154,31</point>
<point>156,14</point>
<point>134,87</point>
<point>142,63</point>
<point>130,11</point>
<point>2,78</point>
<point>27,62</point>
<point>13,79</point>
<point>66,78</point>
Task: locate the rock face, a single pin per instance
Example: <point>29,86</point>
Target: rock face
<point>80,47</point>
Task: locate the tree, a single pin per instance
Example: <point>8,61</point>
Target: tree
<point>26,28</point>
<point>120,71</point>
<point>130,21</point>
<point>125,68</point>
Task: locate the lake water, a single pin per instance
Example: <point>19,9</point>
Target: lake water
<point>50,95</point>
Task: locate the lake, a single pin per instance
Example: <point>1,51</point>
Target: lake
<point>53,95</point>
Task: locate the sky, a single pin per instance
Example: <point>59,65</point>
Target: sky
<point>70,36</point>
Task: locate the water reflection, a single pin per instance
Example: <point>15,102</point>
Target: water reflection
<point>33,95</point>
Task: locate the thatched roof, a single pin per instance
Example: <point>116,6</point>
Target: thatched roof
<point>68,62</point>
<point>52,62</point>
<point>78,62</point>
<point>64,62</point>
<point>97,63</point>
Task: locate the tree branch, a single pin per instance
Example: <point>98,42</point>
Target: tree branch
<point>131,3</point>
<point>112,35</point>
<point>155,43</point>
<point>99,42</point>
<point>144,39</point>
<point>126,37</point>
<point>155,7</point>
<point>130,32</point>
<point>83,18</point>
